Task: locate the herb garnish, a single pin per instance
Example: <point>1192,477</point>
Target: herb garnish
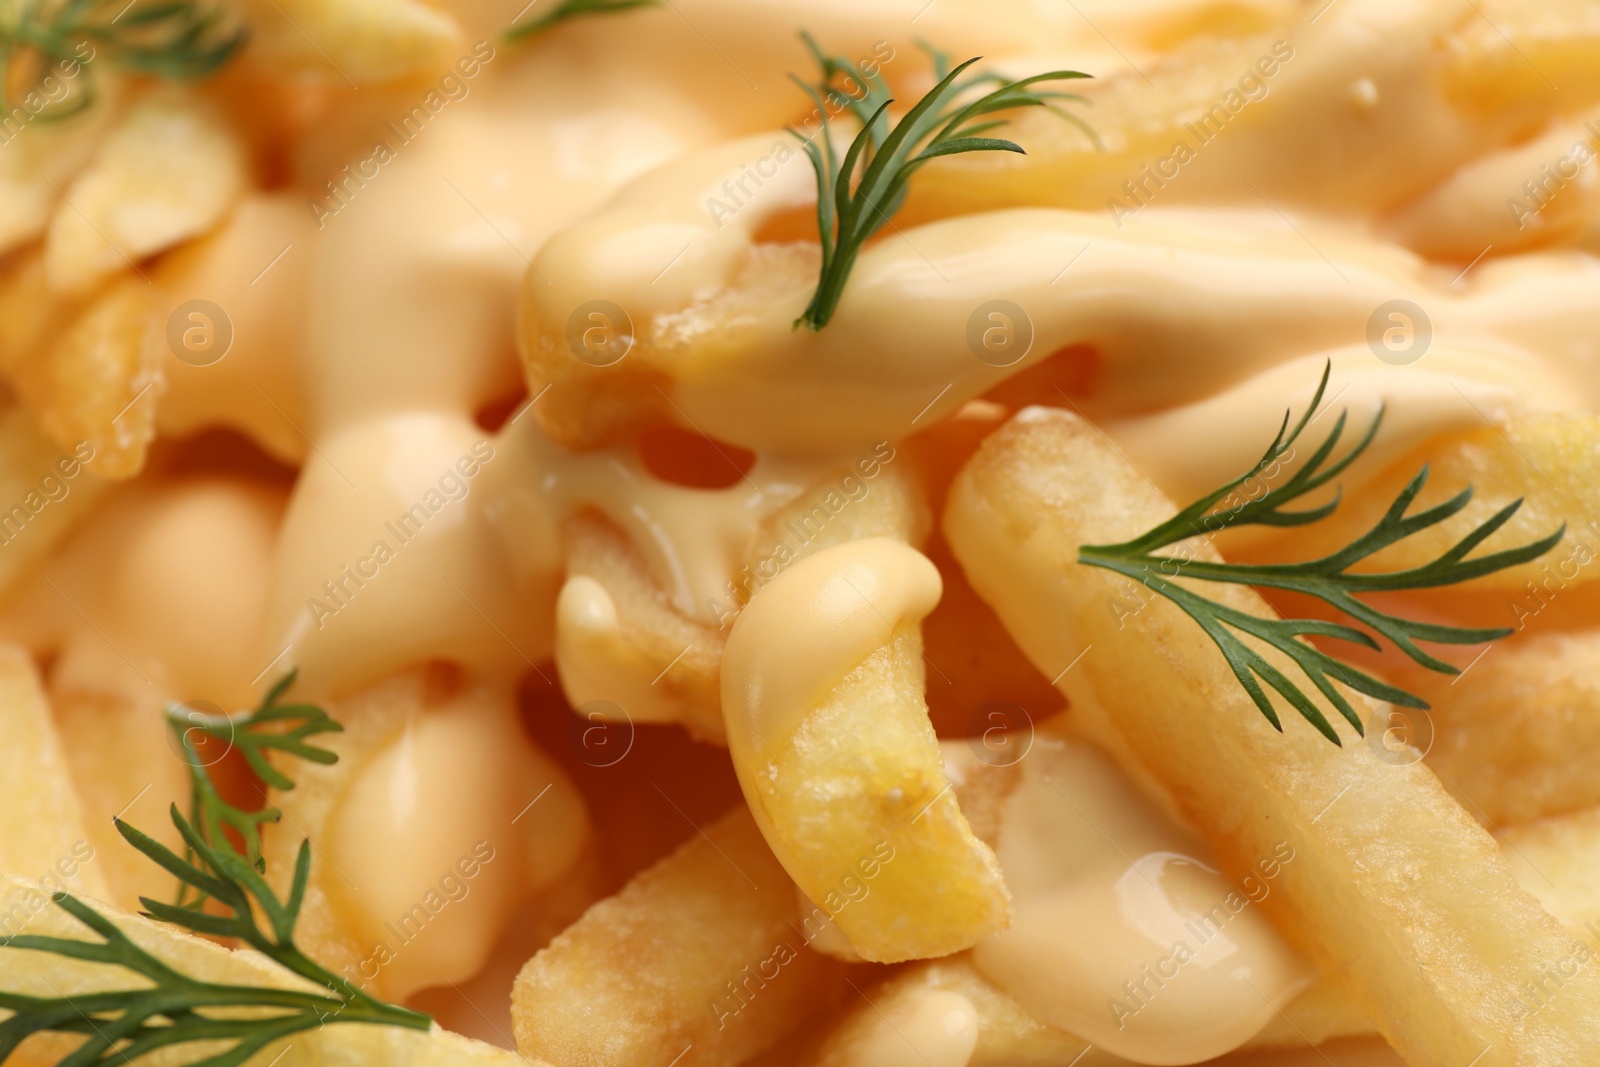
<point>568,9</point>
<point>174,39</point>
<point>1328,579</point>
<point>170,1008</point>
<point>208,811</point>
<point>938,125</point>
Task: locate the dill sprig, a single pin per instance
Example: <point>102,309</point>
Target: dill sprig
<point>174,39</point>
<point>170,1008</point>
<point>568,9</point>
<point>222,894</point>
<point>1328,579</point>
<point>850,209</point>
<point>271,727</point>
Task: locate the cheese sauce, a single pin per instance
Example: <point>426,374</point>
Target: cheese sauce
<point>645,166</point>
<point>932,1028</point>
<point>809,628</point>
<point>431,845</point>
<point>1125,934</point>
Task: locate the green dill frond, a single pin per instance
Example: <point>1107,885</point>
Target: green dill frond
<point>570,9</point>
<point>858,194</point>
<point>1328,579</point>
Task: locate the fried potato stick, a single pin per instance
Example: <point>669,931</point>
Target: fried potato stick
<point>1399,888</point>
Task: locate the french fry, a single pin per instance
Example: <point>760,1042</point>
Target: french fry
<point>984,681</point>
<point>27,458</point>
<point>352,42</point>
<point>620,638</point>
<point>1470,211</point>
<point>698,957</point>
<point>170,170</point>
<point>1393,885</point>
<point>830,737</point>
<point>116,749</point>
<point>42,830</point>
<point>90,370</point>
<point>1551,462</point>
<point>390,927</point>
<point>100,382</point>
<point>878,1026</point>
<point>25,908</point>
<point>40,158</point>
<point>1524,54</point>
<point>1261,106</point>
<point>1518,737</point>
<point>1558,861</point>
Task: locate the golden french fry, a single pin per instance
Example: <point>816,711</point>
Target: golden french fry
<point>170,170</point>
<point>1394,884</point>
<point>1224,109</point>
<point>42,831</point>
<point>1555,859</point>
<point>352,42</point>
<point>1519,735</point>
<point>475,844</point>
<point>100,383</point>
<point>620,638</point>
<point>1524,54</point>
<point>1558,861</point>
<point>89,370</point>
<point>121,764</point>
<point>39,159</point>
<point>699,957</point>
<point>25,907</point>
<point>822,684</point>
<point>936,1010</point>
<point>1470,210</point>
<point>1551,462</point>
<point>46,495</point>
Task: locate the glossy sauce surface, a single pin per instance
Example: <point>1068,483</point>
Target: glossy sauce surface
<point>1124,932</point>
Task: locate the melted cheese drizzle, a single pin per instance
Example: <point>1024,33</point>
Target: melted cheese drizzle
<point>910,303</point>
<point>381,414</point>
<point>417,812</point>
<point>933,1028</point>
<point>365,353</point>
<point>810,627</point>
<point>1124,934</point>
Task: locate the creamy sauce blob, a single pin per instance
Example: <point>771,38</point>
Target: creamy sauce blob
<point>365,330</point>
<point>931,1028</point>
<point>168,581</point>
<point>1124,933</point>
<point>442,833</point>
<point>158,599</point>
<point>808,628</point>
<point>759,382</point>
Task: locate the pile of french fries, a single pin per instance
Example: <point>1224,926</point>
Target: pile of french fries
<point>760,819</point>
